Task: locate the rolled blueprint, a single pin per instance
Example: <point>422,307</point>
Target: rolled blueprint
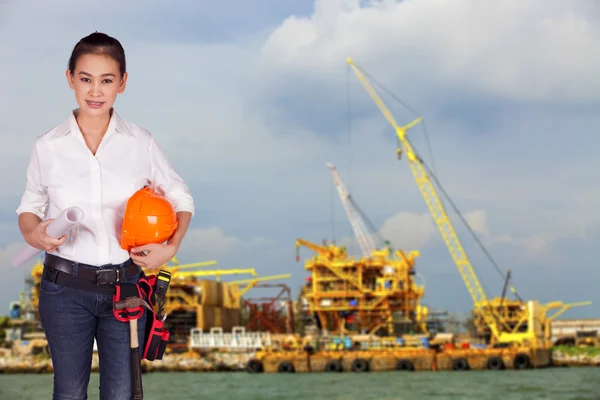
<point>63,223</point>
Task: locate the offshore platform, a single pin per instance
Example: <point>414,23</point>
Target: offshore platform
<point>372,294</point>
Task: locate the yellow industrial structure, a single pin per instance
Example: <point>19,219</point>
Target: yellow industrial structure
<point>196,302</point>
<point>517,316</point>
<point>514,323</point>
<point>349,295</point>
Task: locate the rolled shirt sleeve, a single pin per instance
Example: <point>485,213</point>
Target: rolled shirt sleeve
<point>35,197</point>
<point>169,181</point>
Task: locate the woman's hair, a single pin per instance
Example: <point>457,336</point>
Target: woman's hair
<point>98,43</point>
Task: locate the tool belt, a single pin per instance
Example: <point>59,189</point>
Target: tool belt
<point>112,279</point>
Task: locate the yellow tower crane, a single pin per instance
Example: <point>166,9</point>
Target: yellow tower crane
<point>502,333</point>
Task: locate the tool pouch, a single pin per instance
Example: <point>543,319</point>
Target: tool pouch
<point>123,291</point>
<point>156,339</point>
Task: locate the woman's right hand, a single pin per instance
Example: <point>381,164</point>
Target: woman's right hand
<point>40,240</point>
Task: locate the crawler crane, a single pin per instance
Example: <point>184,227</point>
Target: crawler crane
<point>365,241</point>
<point>502,333</point>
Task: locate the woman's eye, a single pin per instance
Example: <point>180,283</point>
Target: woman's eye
<point>85,80</point>
<point>107,81</point>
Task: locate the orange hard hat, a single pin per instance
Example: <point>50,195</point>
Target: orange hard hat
<point>149,218</point>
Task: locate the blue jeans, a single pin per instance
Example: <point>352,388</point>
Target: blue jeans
<point>71,319</point>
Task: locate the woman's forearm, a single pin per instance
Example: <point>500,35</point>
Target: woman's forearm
<point>184,218</point>
<point>27,223</point>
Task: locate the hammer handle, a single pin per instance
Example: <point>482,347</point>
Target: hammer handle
<point>133,334</point>
<point>136,361</point>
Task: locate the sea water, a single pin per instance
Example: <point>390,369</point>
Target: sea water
<point>547,384</point>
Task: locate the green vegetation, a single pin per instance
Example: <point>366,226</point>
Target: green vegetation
<point>3,325</point>
<point>577,351</point>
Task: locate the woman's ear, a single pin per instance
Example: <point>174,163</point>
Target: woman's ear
<point>69,77</point>
<point>123,83</point>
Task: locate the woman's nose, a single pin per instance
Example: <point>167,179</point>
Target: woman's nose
<point>95,90</point>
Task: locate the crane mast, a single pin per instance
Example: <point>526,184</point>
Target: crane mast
<point>435,206</point>
<point>365,241</point>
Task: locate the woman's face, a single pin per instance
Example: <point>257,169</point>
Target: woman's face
<point>96,82</point>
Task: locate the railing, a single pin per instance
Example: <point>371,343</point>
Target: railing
<point>237,339</point>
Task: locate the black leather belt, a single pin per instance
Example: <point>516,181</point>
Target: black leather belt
<point>104,275</point>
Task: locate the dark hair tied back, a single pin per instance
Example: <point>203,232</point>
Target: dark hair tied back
<point>99,43</point>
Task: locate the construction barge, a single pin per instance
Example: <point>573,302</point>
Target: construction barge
<point>410,353</point>
<point>399,360</point>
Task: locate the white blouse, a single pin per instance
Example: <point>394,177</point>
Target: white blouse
<point>63,172</point>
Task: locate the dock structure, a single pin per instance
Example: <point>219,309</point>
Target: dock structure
<point>575,332</point>
<point>238,339</point>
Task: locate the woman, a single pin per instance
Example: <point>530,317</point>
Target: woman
<point>94,160</point>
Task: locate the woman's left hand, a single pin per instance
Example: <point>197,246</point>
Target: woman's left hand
<point>152,256</point>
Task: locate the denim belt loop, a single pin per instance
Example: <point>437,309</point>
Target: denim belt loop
<point>75,268</point>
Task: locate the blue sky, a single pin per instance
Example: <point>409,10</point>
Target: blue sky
<point>250,102</point>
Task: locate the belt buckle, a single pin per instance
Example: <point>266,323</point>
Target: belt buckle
<point>103,276</point>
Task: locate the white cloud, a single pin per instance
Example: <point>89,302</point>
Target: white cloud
<point>537,50</point>
<point>214,243</point>
<point>477,220</point>
<point>408,230</point>
<point>529,247</point>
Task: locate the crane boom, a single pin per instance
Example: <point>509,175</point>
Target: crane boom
<point>261,279</point>
<point>326,251</point>
<point>216,272</point>
<point>435,206</point>
<point>365,241</point>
